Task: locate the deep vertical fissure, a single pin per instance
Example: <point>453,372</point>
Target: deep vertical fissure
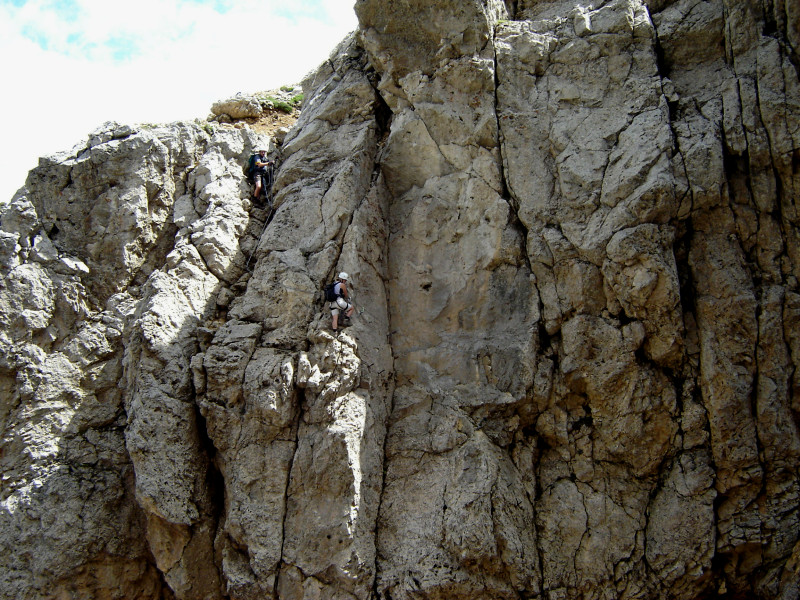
<point>301,401</point>
<point>383,119</point>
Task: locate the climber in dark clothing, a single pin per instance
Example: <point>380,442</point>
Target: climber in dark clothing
<point>260,174</point>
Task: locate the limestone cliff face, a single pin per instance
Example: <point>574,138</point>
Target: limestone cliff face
<point>574,372</point>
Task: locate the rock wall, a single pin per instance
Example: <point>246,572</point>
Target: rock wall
<point>572,234</point>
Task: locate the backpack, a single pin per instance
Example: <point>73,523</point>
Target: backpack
<point>330,294</point>
<point>249,168</point>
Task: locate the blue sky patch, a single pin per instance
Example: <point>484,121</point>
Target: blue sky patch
<point>67,10</point>
<point>122,48</point>
<point>36,36</point>
<point>309,9</point>
<point>221,6</point>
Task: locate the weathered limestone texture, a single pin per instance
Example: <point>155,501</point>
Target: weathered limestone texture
<point>572,233</point>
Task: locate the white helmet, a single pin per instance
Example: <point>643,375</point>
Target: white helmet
<point>344,276</point>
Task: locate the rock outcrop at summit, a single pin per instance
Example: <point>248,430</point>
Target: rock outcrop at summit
<point>572,234</point>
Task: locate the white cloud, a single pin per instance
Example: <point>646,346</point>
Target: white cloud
<point>63,70</point>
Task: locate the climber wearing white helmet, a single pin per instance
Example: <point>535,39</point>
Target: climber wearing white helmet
<point>340,300</point>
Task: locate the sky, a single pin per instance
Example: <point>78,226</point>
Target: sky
<point>68,66</point>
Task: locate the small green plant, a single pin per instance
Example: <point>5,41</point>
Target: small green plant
<point>287,88</point>
<point>283,105</point>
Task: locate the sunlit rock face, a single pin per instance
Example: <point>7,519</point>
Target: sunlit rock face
<point>571,230</point>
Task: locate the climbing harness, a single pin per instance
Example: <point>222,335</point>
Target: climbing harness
<point>266,189</point>
<point>267,179</point>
